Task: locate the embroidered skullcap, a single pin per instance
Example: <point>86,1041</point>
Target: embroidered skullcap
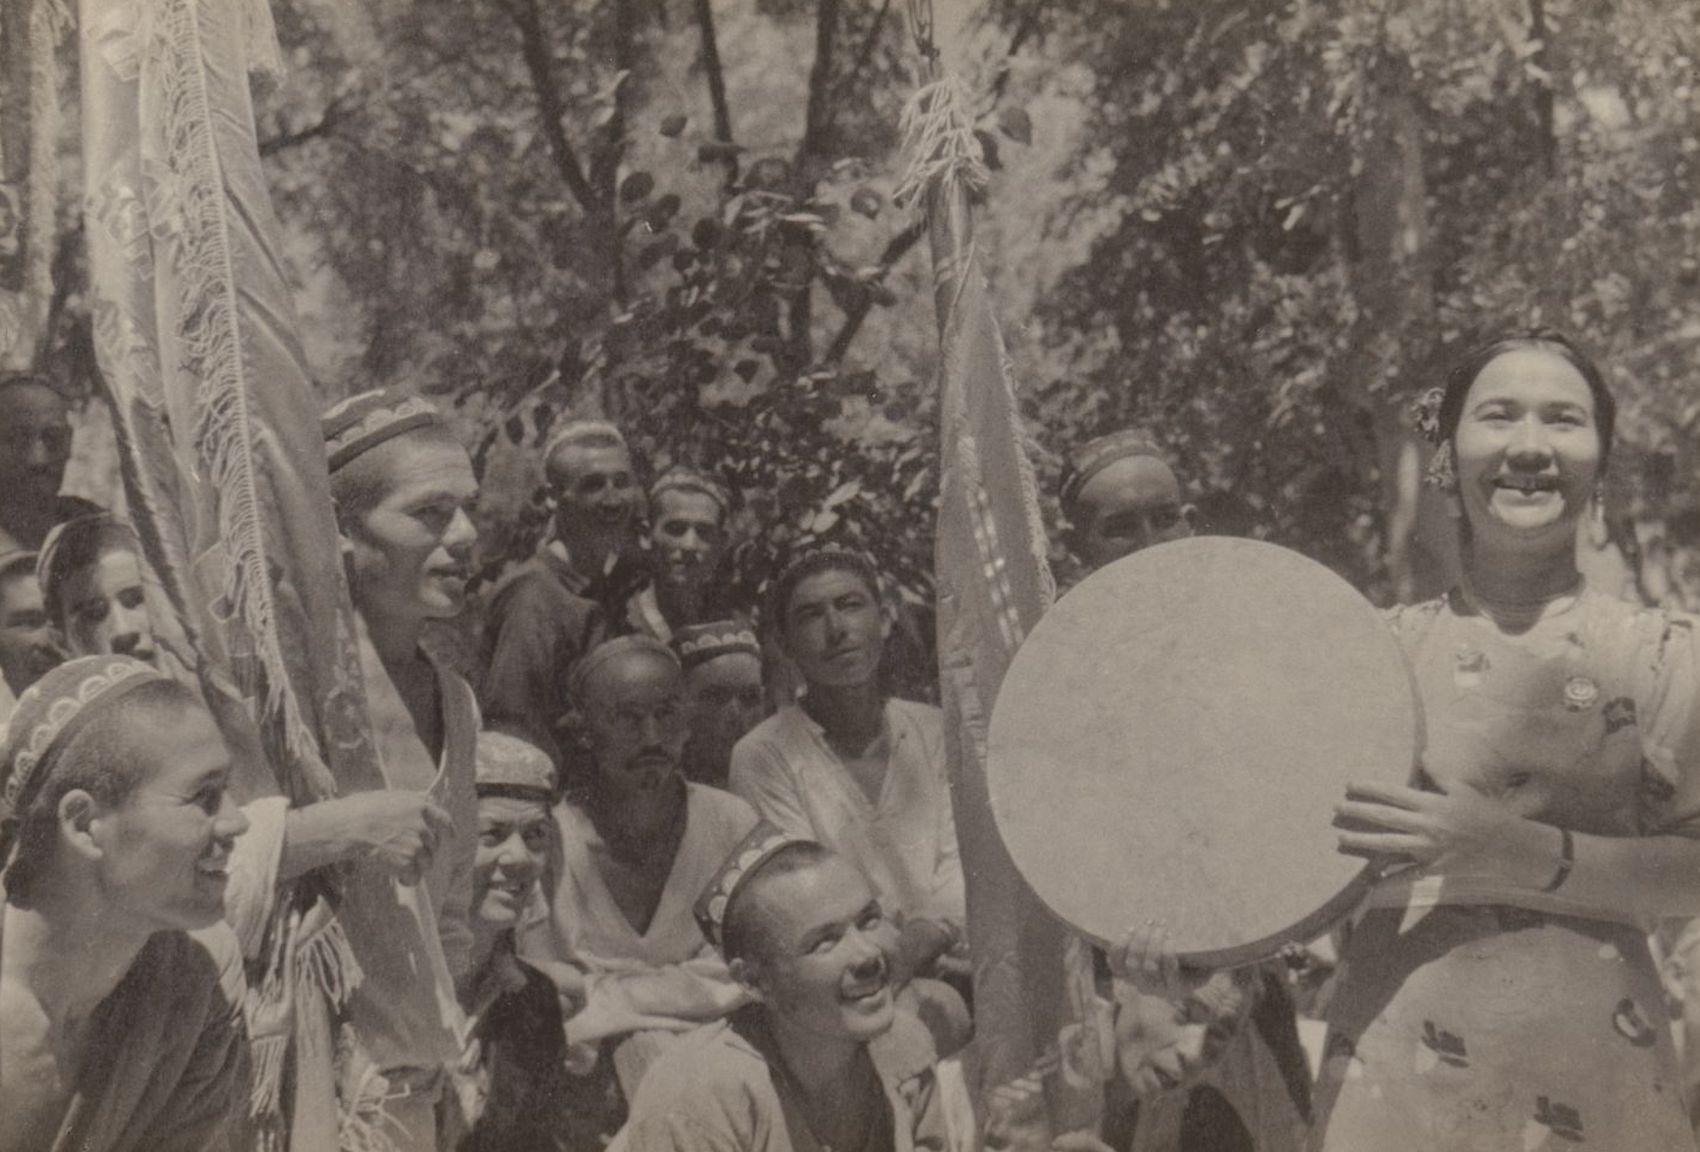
<point>679,478</point>
<point>594,432</point>
<point>609,650</point>
<point>510,766</point>
<point>73,544</point>
<point>49,712</point>
<point>355,426</point>
<point>1096,455</point>
<point>751,853</point>
<point>699,643</point>
<point>831,558</point>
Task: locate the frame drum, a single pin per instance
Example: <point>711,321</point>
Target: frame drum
<point>1171,740</point>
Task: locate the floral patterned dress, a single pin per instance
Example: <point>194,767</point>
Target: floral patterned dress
<point>1471,1016</point>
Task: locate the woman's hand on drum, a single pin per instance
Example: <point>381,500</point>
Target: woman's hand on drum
<point>1460,833</point>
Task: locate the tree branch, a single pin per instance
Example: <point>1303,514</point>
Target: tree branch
<point>1023,32</point>
<point>717,84</point>
<point>539,64</point>
<point>817,119</point>
<point>335,112</point>
<point>895,250</point>
<point>863,55</point>
<point>625,61</point>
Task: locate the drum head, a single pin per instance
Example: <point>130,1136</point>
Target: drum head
<point>1171,740</point>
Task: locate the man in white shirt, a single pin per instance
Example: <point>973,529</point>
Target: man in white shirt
<point>861,773</point>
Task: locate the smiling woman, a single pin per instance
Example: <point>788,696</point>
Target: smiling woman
<point>1553,817</point>
<point>113,779</point>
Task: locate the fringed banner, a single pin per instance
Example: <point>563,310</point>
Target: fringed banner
<point>30,31</point>
<point>225,473</point>
<point>1040,1053</point>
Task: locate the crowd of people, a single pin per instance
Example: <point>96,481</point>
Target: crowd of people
<point>692,872</point>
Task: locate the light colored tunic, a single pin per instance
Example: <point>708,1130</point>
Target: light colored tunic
<point>1470,1017</point>
<point>716,1091</point>
<point>667,977</point>
<point>167,1067</point>
<point>905,844</point>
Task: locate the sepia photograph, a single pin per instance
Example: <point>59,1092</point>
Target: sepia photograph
<point>849,575</point>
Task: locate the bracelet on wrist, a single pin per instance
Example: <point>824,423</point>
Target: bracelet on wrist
<point>1566,860</point>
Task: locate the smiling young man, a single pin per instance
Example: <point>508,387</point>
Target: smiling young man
<point>551,611</point>
<point>821,1058</point>
<point>687,538</point>
<point>510,1091</point>
<point>404,488</point>
<point>121,992</point>
<point>637,845</point>
<point>861,773</point>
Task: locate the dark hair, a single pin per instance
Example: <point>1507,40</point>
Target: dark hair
<point>813,564</point>
<point>100,759</point>
<point>1464,373</point>
<point>742,931</point>
<point>81,544</point>
<point>362,483</point>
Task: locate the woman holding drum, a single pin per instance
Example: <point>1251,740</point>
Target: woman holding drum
<point>1500,994</point>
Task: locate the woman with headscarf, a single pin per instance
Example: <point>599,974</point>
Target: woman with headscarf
<point>1496,991</point>
<point>121,990</point>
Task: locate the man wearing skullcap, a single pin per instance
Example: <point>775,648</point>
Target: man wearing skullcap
<point>1120,495</point>
<point>510,1088</point>
<point>403,487</point>
<point>687,539</point>
<point>822,1057</point>
<point>27,649</point>
<point>121,990</point>
<point>863,773</point>
<point>724,694</point>
<point>558,605</point>
<point>637,844</point>
<point>35,446</point>
<point>1219,1066</point>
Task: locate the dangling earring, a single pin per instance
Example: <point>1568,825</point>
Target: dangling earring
<point>1441,474</point>
<point>1597,528</point>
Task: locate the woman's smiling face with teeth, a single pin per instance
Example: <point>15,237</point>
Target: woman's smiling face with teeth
<point>1528,446</point>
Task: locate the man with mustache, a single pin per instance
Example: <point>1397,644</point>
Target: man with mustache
<point>35,446</point>
<point>550,612</point>
<point>637,845</point>
<point>687,538</point>
<point>864,774</point>
<point>821,1057</point>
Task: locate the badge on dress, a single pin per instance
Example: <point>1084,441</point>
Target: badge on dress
<point>1580,693</point>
